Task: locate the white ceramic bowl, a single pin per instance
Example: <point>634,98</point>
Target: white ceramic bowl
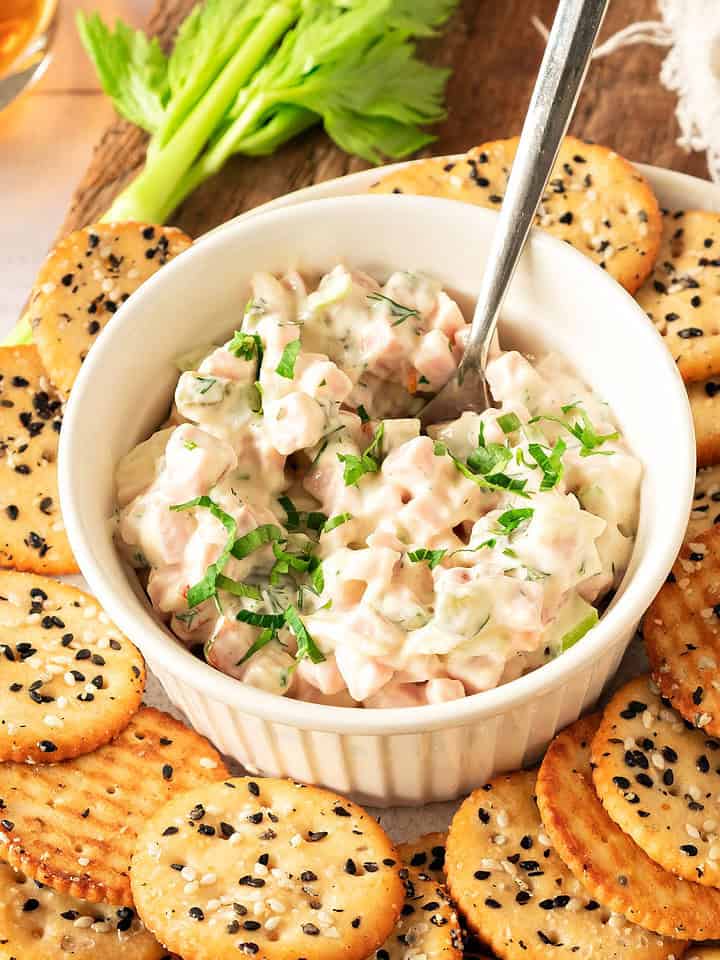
<point>559,301</point>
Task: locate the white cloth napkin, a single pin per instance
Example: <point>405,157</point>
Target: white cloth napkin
<point>691,30</point>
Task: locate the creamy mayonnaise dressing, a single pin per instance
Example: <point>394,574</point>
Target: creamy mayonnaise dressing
<point>297,526</point>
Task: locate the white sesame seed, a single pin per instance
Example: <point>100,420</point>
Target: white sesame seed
<point>187,873</point>
<point>276,905</point>
<point>208,879</point>
<point>101,926</point>
<point>692,831</point>
<point>84,922</point>
<point>502,819</point>
<point>69,679</point>
<point>50,720</point>
<point>272,922</point>
<point>191,887</point>
<point>295,840</point>
<point>499,839</point>
<point>83,861</point>
<point>208,763</point>
<point>260,870</point>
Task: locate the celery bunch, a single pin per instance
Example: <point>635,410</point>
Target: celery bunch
<point>245,76</point>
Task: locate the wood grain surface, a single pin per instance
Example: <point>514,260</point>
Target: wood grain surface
<point>494,51</point>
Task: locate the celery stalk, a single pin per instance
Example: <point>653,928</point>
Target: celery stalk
<point>201,78</point>
<point>284,125</point>
<point>147,197</point>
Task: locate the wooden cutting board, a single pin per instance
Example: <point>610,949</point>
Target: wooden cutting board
<point>494,51</point>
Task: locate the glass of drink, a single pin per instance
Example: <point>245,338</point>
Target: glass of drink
<point>26,31</point>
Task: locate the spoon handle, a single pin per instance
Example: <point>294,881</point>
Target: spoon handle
<point>563,68</point>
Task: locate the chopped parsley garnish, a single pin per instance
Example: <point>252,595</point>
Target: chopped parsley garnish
<point>433,557</point>
<point>286,561</point>
<point>317,578</point>
<point>509,422</point>
<point>263,640</point>
<point>489,544</point>
<point>189,444</point>
<point>247,544</point>
<point>209,383</point>
<point>273,621</point>
<point>396,309</point>
<point>301,520</point>
<point>512,519</point>
<point>247,346</point>
<point>286,367</point>
<point>582,429</point>
<point>488,458</point>
<point>336,521</point>
<point>306,646</point>
<point>368,462</point>
<point>237,588</point>
<point>489,481</point>
<point>363,414</point>
<point>207,587</point>
<point>550,463</point>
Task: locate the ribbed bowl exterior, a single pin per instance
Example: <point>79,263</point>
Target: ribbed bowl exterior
<point>391,769</point>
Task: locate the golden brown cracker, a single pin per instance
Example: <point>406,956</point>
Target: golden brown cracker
<point>705,513</point>
<point>518,896</point>
<point>705,406</point>
<point>266,868</point>
<point>658,778</point>
<point>83,282</point>
<point>682,296</point>
<point>32,533</point>
<point>69,681</point>
<point>428,926</point>
<point>426,853</point>
<point>595,200</point>
<point>681,631</point>
<point>36,923</point>
<point>73,825</point>
<point>607,862</point>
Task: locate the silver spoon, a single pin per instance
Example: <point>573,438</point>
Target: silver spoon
<point>558,84</point>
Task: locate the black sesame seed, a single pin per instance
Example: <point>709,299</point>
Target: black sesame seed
<point>248,881</point>
<point>12,511</point>
<point>195,913</point>
<point>566,217</point>
<point>170,831</point>
<point>251,925</point>
<point>341,812</point>
<point>315,835</point>
<point>481,874</point>
<point>206,830</point>
<point>30,905</point>
<point>20,382</point>
<point>70,915</point>
<point>226,829</point>
<point>689,850</point>
<point>493,904</point>
<point>695,301</point>
<point>350,867</point>
<point>310,929</point>
<point>703,764</point>
<point>47,746</point>
<point>697,696</point>
<point>622,782</point>
<point>197,812</point>
<point>522,897</point>
<point>483,815</point>
<point>644,780</point>
<point>167,772</point>
<point>253,788</point>
<point>83,655</point>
